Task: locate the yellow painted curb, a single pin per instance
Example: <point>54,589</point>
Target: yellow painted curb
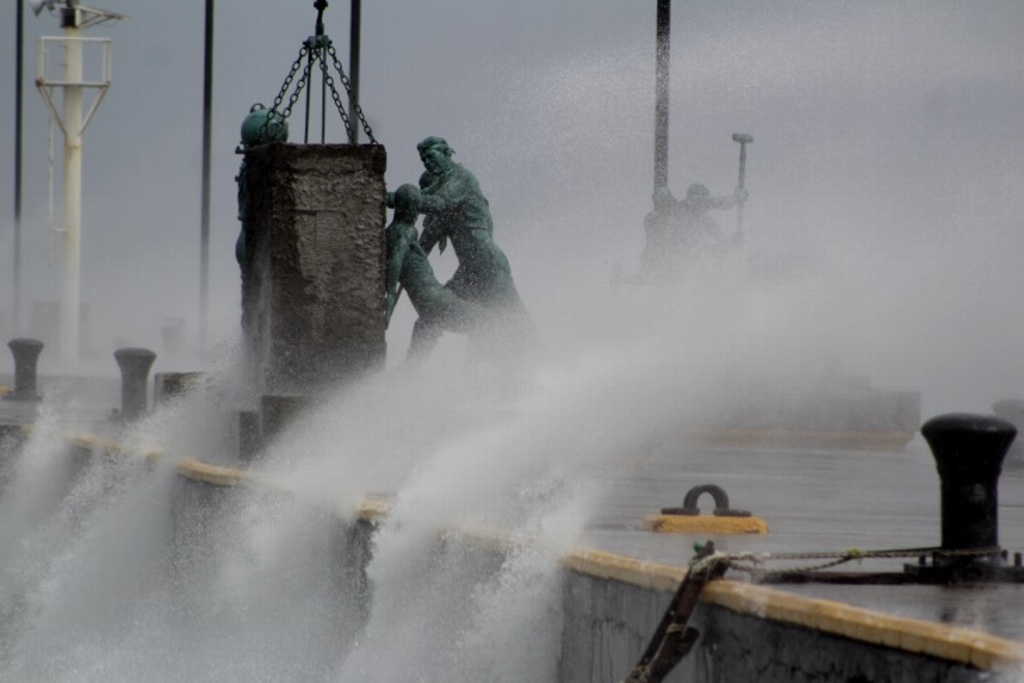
<point>91,442</point>
<point>956,644</point>
<point>602,565</point>
<point>951,643</point>
<point>196,470</point>
<point>372,510</point>
<point>705,524</point>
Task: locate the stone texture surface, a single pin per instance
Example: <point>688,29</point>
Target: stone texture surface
<point>608,624</point>
<point>313,281</point>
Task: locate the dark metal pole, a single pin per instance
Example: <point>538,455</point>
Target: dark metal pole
<point>18,84</point>
<point>204,229</point>
<point>661,94</point>
<point>353,62</point>
<point>314,44</point>
<point>323,96</point>
<point>322,51</point>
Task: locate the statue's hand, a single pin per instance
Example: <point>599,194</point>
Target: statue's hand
<point>389,199</point>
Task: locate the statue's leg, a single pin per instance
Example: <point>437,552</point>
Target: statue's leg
<point>425,335</point>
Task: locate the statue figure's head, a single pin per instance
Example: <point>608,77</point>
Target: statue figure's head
<point>407,202</point>
<point>697,196</point>
<point>436,154</point>
<point>697,191</point>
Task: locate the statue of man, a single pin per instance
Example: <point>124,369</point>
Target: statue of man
<point>407,265</point>
<point>694,230</point>
<point>654,261</point>
<point>680,232</point>
<point>457,210</point>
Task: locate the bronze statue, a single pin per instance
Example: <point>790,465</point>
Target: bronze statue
<point>457,210</point>
<point>408,267</point>
<point>261,126</point>
<point>680,232</point>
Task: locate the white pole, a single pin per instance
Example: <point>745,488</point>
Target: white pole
<point>70,335</point>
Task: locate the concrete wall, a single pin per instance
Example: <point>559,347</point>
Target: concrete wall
<point>313,276</point>
<point>608,624</point>
<point>612,605</point>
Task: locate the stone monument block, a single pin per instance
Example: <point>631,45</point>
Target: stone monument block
<point>313,272</point>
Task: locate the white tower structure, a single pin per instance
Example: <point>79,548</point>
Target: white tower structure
<point>73,118</point>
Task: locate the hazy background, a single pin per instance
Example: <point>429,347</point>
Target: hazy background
<point>883,228</point>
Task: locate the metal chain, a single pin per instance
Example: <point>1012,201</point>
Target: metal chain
<point>329,81</point>
<point>304,52</point>
<point>348,89</point>
<point>274,112</point>
<point>303,80</point>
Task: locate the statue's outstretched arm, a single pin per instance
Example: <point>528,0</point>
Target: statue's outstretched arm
<point>737,197</point>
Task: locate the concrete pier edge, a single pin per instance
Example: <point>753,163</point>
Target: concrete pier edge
<point>953,644</point>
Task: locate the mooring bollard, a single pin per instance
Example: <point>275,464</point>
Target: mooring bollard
<point>135,364</point>
<point>26,356</point>
<point>969,452</point>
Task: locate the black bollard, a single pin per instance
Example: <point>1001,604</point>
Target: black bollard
<point>26,356</point>
<point>135,364</point>
<point>969,452</point>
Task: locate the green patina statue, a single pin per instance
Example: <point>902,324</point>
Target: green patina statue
<point>259,127</point>
<point>408,267</point>
<point>681,233</point>
<point>457,210</point>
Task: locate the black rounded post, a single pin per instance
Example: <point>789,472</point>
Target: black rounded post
<point>26,357</point>
<point>134,364</point>
<point>969,451</point>
<point>354,32</point>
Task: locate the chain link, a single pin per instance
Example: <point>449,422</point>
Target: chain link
<point>348,89</point>
<point>321,45</point>
<point>275,112</point>
<point>329,81</point>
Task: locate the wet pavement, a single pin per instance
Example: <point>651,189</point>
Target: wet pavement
<point>820,502</point>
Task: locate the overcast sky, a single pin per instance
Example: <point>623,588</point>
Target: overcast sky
<point>887,152</point>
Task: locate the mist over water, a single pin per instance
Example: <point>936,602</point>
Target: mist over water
<point>882,241</point>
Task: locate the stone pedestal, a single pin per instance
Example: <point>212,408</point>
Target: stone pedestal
<point>313,273</point>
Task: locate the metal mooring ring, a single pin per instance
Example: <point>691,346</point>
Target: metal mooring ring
<point>719,495</point>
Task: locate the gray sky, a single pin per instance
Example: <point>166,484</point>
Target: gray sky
<point>886,168</point>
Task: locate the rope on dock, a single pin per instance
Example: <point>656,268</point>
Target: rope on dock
<point>673,639</point>
<point>754,563</point>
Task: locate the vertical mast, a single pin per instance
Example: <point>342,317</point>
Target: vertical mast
<point>71,305</point>
<point>661,94</point>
